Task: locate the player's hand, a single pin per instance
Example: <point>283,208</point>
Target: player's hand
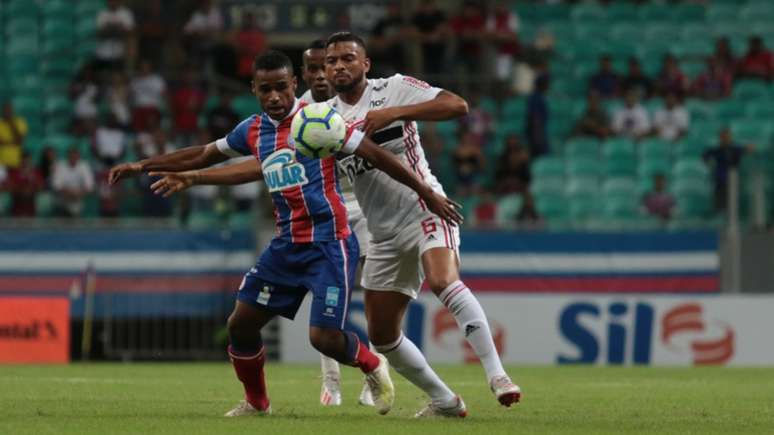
<point>172,182</point>
<point>376,120</point>
<point>445,208</point>
<point>124,170</point>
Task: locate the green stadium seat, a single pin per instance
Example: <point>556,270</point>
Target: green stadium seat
<point>760,110</point>
<point>692,48</point>
<point>618,148</point>
<point>5,203</point>
<point>245,105</point>
<point>27,107</point>
<point>57,67</point>
<point>514,108</point>
<point>22,46</point>
<point>587,12</point>
<point>582,147</point>
<point>757,11</point>
<point>626,32</point>
<point>695,32</point>
<point>584,167</point>
<point>655,148</point>
<point>690,168</point>
<point>57,47</point>
<point>751,90</point>
<point>752,130</point>
<point>86,28</point>
<point>647,168</point>
<point>508,208</point>
<point>620,167</point>
<point>721,12</point>
<point>20,9</point>
<point>89,8</point>
<point>691,186</point>
<point>582,208</point>
<point>548,167</point>
<point>57,105</point>
<point>727,110</point>
<point>699,109</point>
<point>243,220</point>
<point>552,206</point>
<point>619,11</point>
<point>624,207</point>
<point>17,66</point>
<point>690,149</point>
<point>662,32</point>
<point>85,48</point>
<point>619,186</point>
<point>61,142</point>
<point>582,186</point>
<point>682,13</point>
<point>203,220</point>
<point>547,186</point>
<point>44,204</point>
<point>58,9</point>
<point>654,13</point>
<point>692,206</point>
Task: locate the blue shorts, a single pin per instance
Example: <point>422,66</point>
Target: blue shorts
<point>286,271</point>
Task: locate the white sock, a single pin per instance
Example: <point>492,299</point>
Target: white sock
<point>330,366</point>
<point>472,321</point>
<point>407,360</point>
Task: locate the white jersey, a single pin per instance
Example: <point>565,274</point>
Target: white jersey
<point>387,204</point>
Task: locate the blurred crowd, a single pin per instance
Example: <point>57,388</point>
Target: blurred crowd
<point>132,102</point>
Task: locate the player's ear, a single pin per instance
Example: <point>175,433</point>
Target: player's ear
<point>252,87</point>
<point>295,84</point>
<point>367,65</point>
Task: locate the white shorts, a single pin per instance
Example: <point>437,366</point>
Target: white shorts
<point>358,225</point>
<point>395,264</point>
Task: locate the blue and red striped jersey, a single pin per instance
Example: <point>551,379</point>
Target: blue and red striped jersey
<point>308,205</point>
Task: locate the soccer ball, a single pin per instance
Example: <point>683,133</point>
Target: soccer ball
<point>318,131</point>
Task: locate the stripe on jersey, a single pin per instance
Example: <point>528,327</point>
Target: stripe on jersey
<point>387,134</point>
<point>301,230</point>
<point>413,158</point>
<point>333,197</point>
<point>343,245</point>
<point>253,135</point>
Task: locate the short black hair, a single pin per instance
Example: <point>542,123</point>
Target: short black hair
<point>345,37</point>
<point>271,60</point>
<point>317,44</point>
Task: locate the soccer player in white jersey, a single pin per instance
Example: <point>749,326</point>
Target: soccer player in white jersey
<point>313,73</point>
<point>409,244</point>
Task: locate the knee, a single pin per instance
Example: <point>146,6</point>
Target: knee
<point>438,281</point>
<point>324,340</point>
<point>381,336</point>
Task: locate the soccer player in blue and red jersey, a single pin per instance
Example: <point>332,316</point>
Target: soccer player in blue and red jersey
<point>314,249</point>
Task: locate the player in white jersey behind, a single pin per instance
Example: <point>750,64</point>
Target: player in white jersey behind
<point>313,73</point>
<point>409,244</point>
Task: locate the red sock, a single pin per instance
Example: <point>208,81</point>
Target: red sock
<point>249,370</point>
<point>365,359</point>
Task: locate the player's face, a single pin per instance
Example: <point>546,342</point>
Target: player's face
<point>314,74</point>
<point>276,90</point>
<point>346,65</point>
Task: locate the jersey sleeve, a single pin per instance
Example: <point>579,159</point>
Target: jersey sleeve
<point>409,90</point>
<point>235,144</point>
<point>352,140</point>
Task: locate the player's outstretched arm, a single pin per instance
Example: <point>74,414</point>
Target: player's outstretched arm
<point>185,159</point>
<point>173,182</point>
<point>445,105</point>
<point>388,163</point>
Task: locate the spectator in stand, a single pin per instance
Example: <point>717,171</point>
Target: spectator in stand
<point>672,121</point>
<point>636,80</point>
<point>46,167</point>
<point>72,181</point>
<point>513,171</point>
<point>758,62</point>
<point>528,215</point>
<point>724,55</point>
<point>386,44</point>
<point>118,99</point>
<point>502,27</point>
<point>721,159</point>
<point>536,128</point>
<point>153,141</point>
<point>595,120</point>
<point>24,183</point>
<point>605,81</point>
<point>478,122</point>
<point>485,211</point>
<point>250,42</point>
<point>222,118</point>
<point>632,119</point>
<point>109,143</point>
<point>84,91</point>
<point>187,102</point>
<point>201,32</point>
<point>714,82</point>
<point>115,26</point>
<point>148,90</point>
<point>13,131</point>
<point>659,202</point>
<point>469,164</point>
<point>468,30</point>
<point>245,195</point>
<point>152,30</point>
<point>432,31</point>
<point>671,79</point>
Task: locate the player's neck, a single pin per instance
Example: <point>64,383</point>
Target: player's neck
<point>353,96</point>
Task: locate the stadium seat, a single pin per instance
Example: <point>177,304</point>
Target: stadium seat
<point>751,90</point>
<point>688,148</point>
<point>584,167</point>
<point>721,12</point>
<point>757,11</point>
<point>626,32</point>
<point>22,46</point>
<point>682,13</point>
<point>582,186</point>
<point>617,12</point>
<point>752,130</point>
<point>508,208</point>
<point>243,220</point>
<point>655,148</point>
<point>86,27</point>
<point>5,203</point>
<point>20,8</point>
<point>647,168</point>
<point>245,105</point>
<point>760,110</point>
<point>618,148</point>
<point>548,167</point>
<point>552,206</point>
<point>690,168</point>
<point>728,109</point>
<point>547,186</point>
<point>58,9</point>
<point>582,147</point>
<point>699,109</point>
<point>57,105</point>
<point>619,186</point>
<point>514,108</point>
<point>662,32</point>
<point>625,207</point>
<point>692,206</point>
<point>694,31</point>
<point>44,204</point>
<point>582,208</point>
<point>654,13</point>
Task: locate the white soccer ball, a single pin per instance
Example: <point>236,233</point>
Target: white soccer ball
<point>318,131</point>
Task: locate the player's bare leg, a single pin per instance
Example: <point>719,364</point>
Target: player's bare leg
<point>346,348</point>
<point>441,266</point>
<point>384,312</point>
<point>248,356</point>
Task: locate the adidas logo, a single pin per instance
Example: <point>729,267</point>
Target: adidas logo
<point>471,329</point>
<point>431,237</point>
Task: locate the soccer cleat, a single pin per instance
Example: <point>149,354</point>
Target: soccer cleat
<point>244,408</point>
<point>505,390</point>
<point>330,395</point>
<point>366,398</point>
<point>381,386</point>
<point>432,410</point>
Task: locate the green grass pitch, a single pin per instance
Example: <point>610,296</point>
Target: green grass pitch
<point>189,398</point>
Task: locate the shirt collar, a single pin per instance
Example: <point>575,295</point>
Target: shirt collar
<point>292,112</point>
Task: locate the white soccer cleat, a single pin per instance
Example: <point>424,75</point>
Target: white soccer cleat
<point>456,410</point>
<point>244,408</point>
<point>366,398</point>
<point>381,386</point>
<point>505,390</point>
<point>330,395</point>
